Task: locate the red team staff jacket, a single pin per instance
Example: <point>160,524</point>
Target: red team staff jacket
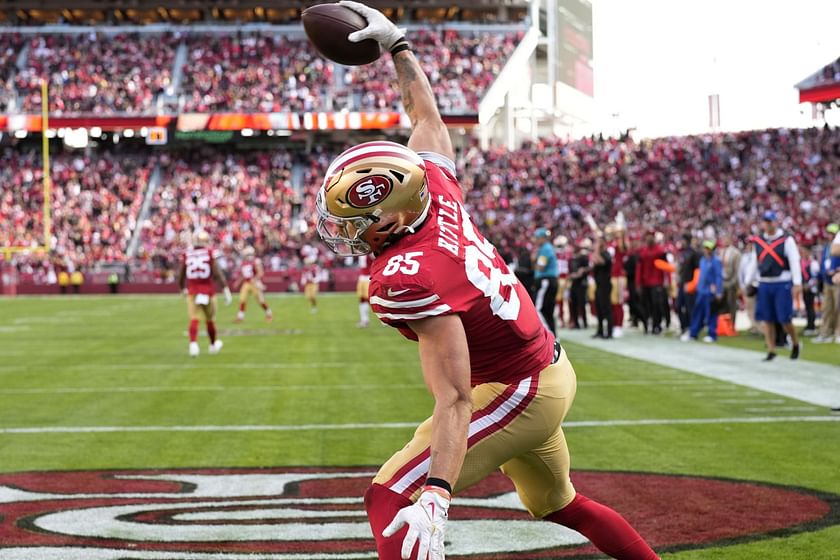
<point>447,267</point>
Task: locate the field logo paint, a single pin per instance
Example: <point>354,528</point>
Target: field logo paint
<point>300,514</point>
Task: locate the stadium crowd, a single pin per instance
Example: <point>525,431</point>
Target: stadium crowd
<point>460,65</point>
<point>96,73</point>
<point>10,47</point>
<point>95,202</point>
<point>669,190</point>
<point>254,72</point>
<point>670,184</point>
<point>244,71</point>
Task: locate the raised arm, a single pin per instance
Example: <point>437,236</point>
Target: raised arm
<point>428,133</point>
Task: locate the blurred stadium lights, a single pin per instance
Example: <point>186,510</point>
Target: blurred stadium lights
<point>128,133</point>
<point>76,138</point>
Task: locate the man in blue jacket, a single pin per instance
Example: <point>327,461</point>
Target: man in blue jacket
<point>709,292</point>
<point>545,277</point>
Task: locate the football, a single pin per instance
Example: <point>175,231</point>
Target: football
<point>328,25</point>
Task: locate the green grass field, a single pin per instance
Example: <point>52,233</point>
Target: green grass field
<point>122,362</point>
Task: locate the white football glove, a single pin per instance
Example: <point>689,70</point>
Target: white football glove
<point>426,520</point>
<point>228,297</point>
<point>380,28</point>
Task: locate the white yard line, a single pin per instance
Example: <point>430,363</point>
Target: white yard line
<point>406,425</point>
<point>810,382</point>
<point>342,387</point>
<point>170,366</point>
<point>205,388</point>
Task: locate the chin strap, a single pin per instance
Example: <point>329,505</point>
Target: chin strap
<point>415,225</point>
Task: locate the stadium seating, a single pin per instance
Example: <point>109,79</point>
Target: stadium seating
<point>254,72</point>
<point>10,46</point>
<point>258,71</point>
<point>670,184</point>
<point>460,65</point>
<point>95,201</point>
<point>96,73</point>
<point>242,199</point>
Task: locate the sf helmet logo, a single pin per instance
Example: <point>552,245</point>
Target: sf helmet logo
<point>369,191</point>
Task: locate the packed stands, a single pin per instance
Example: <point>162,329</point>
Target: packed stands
<point>95,201</point>
<point>240,199</point>
<point>10,46</point>
<point>461,65</point>
<point>254,72</point>
<point>669,184</point>
<point>97,73</point>
<point>245,71</point>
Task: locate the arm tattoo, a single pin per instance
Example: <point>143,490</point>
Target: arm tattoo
<point>407,78</point>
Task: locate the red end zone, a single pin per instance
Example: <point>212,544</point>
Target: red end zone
<point>303,511</point>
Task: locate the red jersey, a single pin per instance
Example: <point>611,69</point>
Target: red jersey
<point>199,270</point>
<point>563,258</point>
<point>364,265</point>
<point>248,269</point>
<point>617,255</point>
<point>447,267</point>
<point>310,274</point>
<point>647,275</point>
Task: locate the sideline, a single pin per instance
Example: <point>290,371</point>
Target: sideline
<point>810,382</point>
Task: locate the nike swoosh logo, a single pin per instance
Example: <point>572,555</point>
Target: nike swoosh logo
<point>392,293</point>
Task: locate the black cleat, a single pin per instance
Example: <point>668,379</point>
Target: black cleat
<point>770,357</point>
<point>794,352</point>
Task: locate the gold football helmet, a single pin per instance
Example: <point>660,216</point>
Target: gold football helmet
<point>201,238</point>
<point>371,193</point>
<point>248,252</point>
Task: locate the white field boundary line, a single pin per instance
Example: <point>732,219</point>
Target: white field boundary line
<point>811,382</point>
<point>345,387</point>
<point>204,366</point>
<point>406,425</point>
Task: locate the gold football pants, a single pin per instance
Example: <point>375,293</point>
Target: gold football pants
<point>515,428</point>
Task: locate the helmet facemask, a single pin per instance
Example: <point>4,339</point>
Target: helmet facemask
<point>343,235</point>
<point>371,194</point>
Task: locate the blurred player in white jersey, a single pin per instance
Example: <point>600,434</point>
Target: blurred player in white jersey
<point>197,272</point>
<point>362,288</point>
<point>251,275</point>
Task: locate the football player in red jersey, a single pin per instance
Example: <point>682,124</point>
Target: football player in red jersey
<point>617,246</point>
<point>500,382</point>
<point>195,278</point>
<point>310,277</point>
<point>251,274</point>
<point>363,288</point>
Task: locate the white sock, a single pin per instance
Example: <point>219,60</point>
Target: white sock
<point>364,307</point>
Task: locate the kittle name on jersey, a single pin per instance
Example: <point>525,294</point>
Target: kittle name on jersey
<point>449,226</point>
